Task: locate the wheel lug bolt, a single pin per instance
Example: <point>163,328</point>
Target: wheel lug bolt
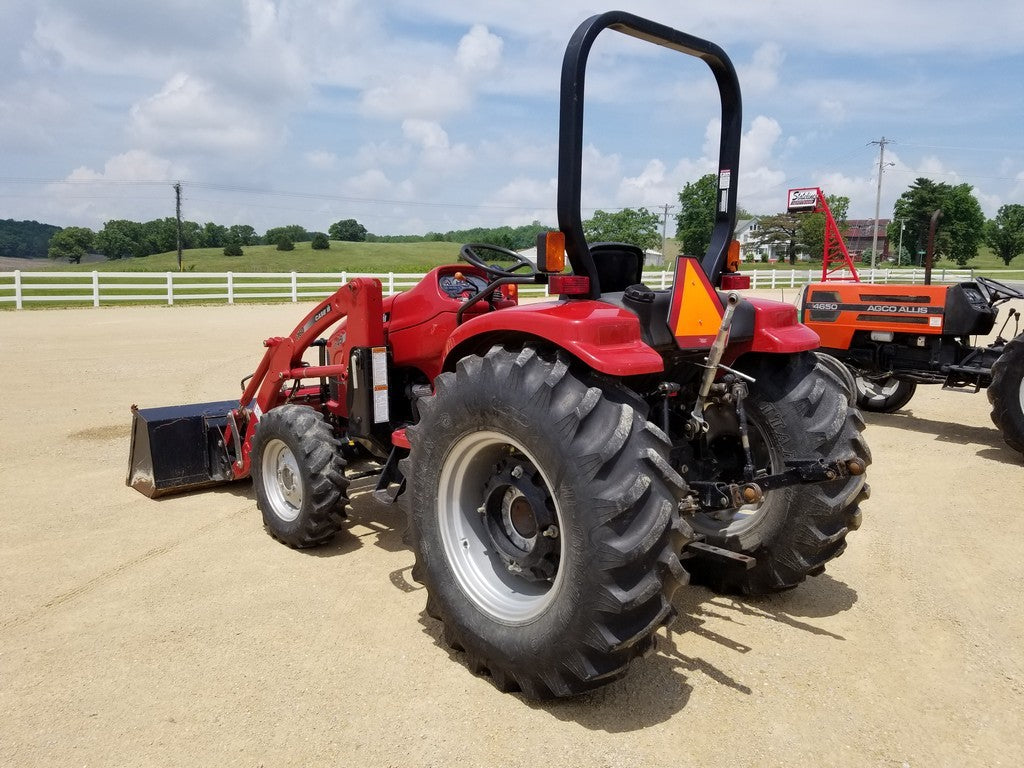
<point>551,532</point>
<point>517,472</point>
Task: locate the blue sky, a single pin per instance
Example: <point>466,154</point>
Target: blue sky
<point>415,117</point>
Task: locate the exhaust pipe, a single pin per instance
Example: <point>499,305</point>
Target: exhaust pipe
<point>179,448</point>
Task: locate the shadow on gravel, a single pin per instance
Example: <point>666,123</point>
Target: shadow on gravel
<point>951,432</point>
<point>654,689</point>
<point>660,685</point>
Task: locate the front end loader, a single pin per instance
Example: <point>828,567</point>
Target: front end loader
<point>566,465</point>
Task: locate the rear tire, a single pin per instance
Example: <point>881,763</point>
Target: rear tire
<point>1006,393</point>
<point>796,409</point>
<point>883,394</point>
<point>299,476</point>
<point>511,446</point>
<point>842,373</point>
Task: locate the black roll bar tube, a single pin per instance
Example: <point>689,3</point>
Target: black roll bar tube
<point>570,135</point>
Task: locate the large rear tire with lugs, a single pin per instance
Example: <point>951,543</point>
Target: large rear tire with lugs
<point>1006,393</point>
<point>299,476</point>
<point>797,409</point>
<point>544,516</point>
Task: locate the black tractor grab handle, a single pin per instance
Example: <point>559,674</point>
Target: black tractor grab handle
<point>570,136</point>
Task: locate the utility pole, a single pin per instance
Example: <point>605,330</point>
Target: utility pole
<point>177,209</point>
<point>664,224</point>
<point>899,249</point>
<point>878,200</point>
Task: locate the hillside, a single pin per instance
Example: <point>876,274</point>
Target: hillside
<point>340,257</point>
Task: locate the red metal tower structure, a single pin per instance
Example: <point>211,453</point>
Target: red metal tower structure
<point>835,257</point>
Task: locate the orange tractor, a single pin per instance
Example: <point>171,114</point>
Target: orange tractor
<point>566,465</point>
<point>894,337</point>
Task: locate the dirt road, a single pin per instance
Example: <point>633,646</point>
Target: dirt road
<point>176,632</point>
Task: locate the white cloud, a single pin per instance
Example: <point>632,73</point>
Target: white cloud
<point>479,51</point>
<point>761,75</point>
<point>430,95</point>
<point>190,113</point>
<point>433,147</point>
<point>134,165</point>
<point>88,197</point>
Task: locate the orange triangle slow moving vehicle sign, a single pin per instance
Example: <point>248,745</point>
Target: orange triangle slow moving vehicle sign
<point>696,309</point>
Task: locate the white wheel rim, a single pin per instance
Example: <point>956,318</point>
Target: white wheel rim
<point>877,390</point>
<point>480,573</point>
<point>282,480</point>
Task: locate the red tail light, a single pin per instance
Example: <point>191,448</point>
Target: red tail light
<point>569,285</point>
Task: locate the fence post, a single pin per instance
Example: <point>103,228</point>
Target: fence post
<point>295,289</point>
<point>231,288</point>
<point>95,288</point>
<point>792,278</point>
<point>773,278</point>
<point>170,288</point>
<point>17,289</point>
<point>344,277</point>
<point>391,283</point>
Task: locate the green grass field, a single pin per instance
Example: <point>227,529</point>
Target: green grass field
<point>340,257</point>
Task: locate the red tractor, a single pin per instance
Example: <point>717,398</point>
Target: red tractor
<point>566,465</point>
<point>894,337</point>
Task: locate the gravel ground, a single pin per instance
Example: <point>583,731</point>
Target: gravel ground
<point>176,632</point>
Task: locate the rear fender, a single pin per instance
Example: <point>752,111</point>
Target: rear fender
<point>604,337</point>
<point>776,331</point>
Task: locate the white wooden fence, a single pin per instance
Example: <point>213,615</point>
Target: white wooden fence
<point>96,288</point>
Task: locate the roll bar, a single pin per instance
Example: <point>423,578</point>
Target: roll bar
<point>570,134</point>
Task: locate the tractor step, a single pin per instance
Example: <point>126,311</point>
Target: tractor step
<point>179,448</point>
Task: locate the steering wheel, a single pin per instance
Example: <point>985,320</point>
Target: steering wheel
<point>996,290</point>
<point>470,252</point>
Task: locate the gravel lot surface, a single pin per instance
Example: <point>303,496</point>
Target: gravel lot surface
<point>176,632</point>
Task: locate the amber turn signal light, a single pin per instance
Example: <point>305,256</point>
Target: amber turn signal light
<point>551,252</point>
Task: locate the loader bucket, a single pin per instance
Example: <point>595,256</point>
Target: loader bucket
<point>179,448</point>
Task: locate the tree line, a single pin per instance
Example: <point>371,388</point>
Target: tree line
<point>25,239</point>
<point>124,239</point>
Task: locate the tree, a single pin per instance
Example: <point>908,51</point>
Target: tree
<point>293,233</point>
<point>232,249</point>
<point>213,236</point>
<point>242,234</point>
<point>320,242</point>
<point>285,244</point>
<point>348,230</point>
<point>696,217</point>
<point>811,234</point>
<point>781,229</point>
<point>71,243</point>
<point>960,230</point>
<point>636,226</point>
<point>1005,233</point>
<point>120,239</point>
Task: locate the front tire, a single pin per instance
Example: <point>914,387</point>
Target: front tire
<point>797,410</point>
<point>299,476</point>
<point>885,394</point>
<point>544,519</point>
<point>1006,393</point>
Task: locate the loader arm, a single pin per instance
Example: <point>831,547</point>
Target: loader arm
<point>360,303</point>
